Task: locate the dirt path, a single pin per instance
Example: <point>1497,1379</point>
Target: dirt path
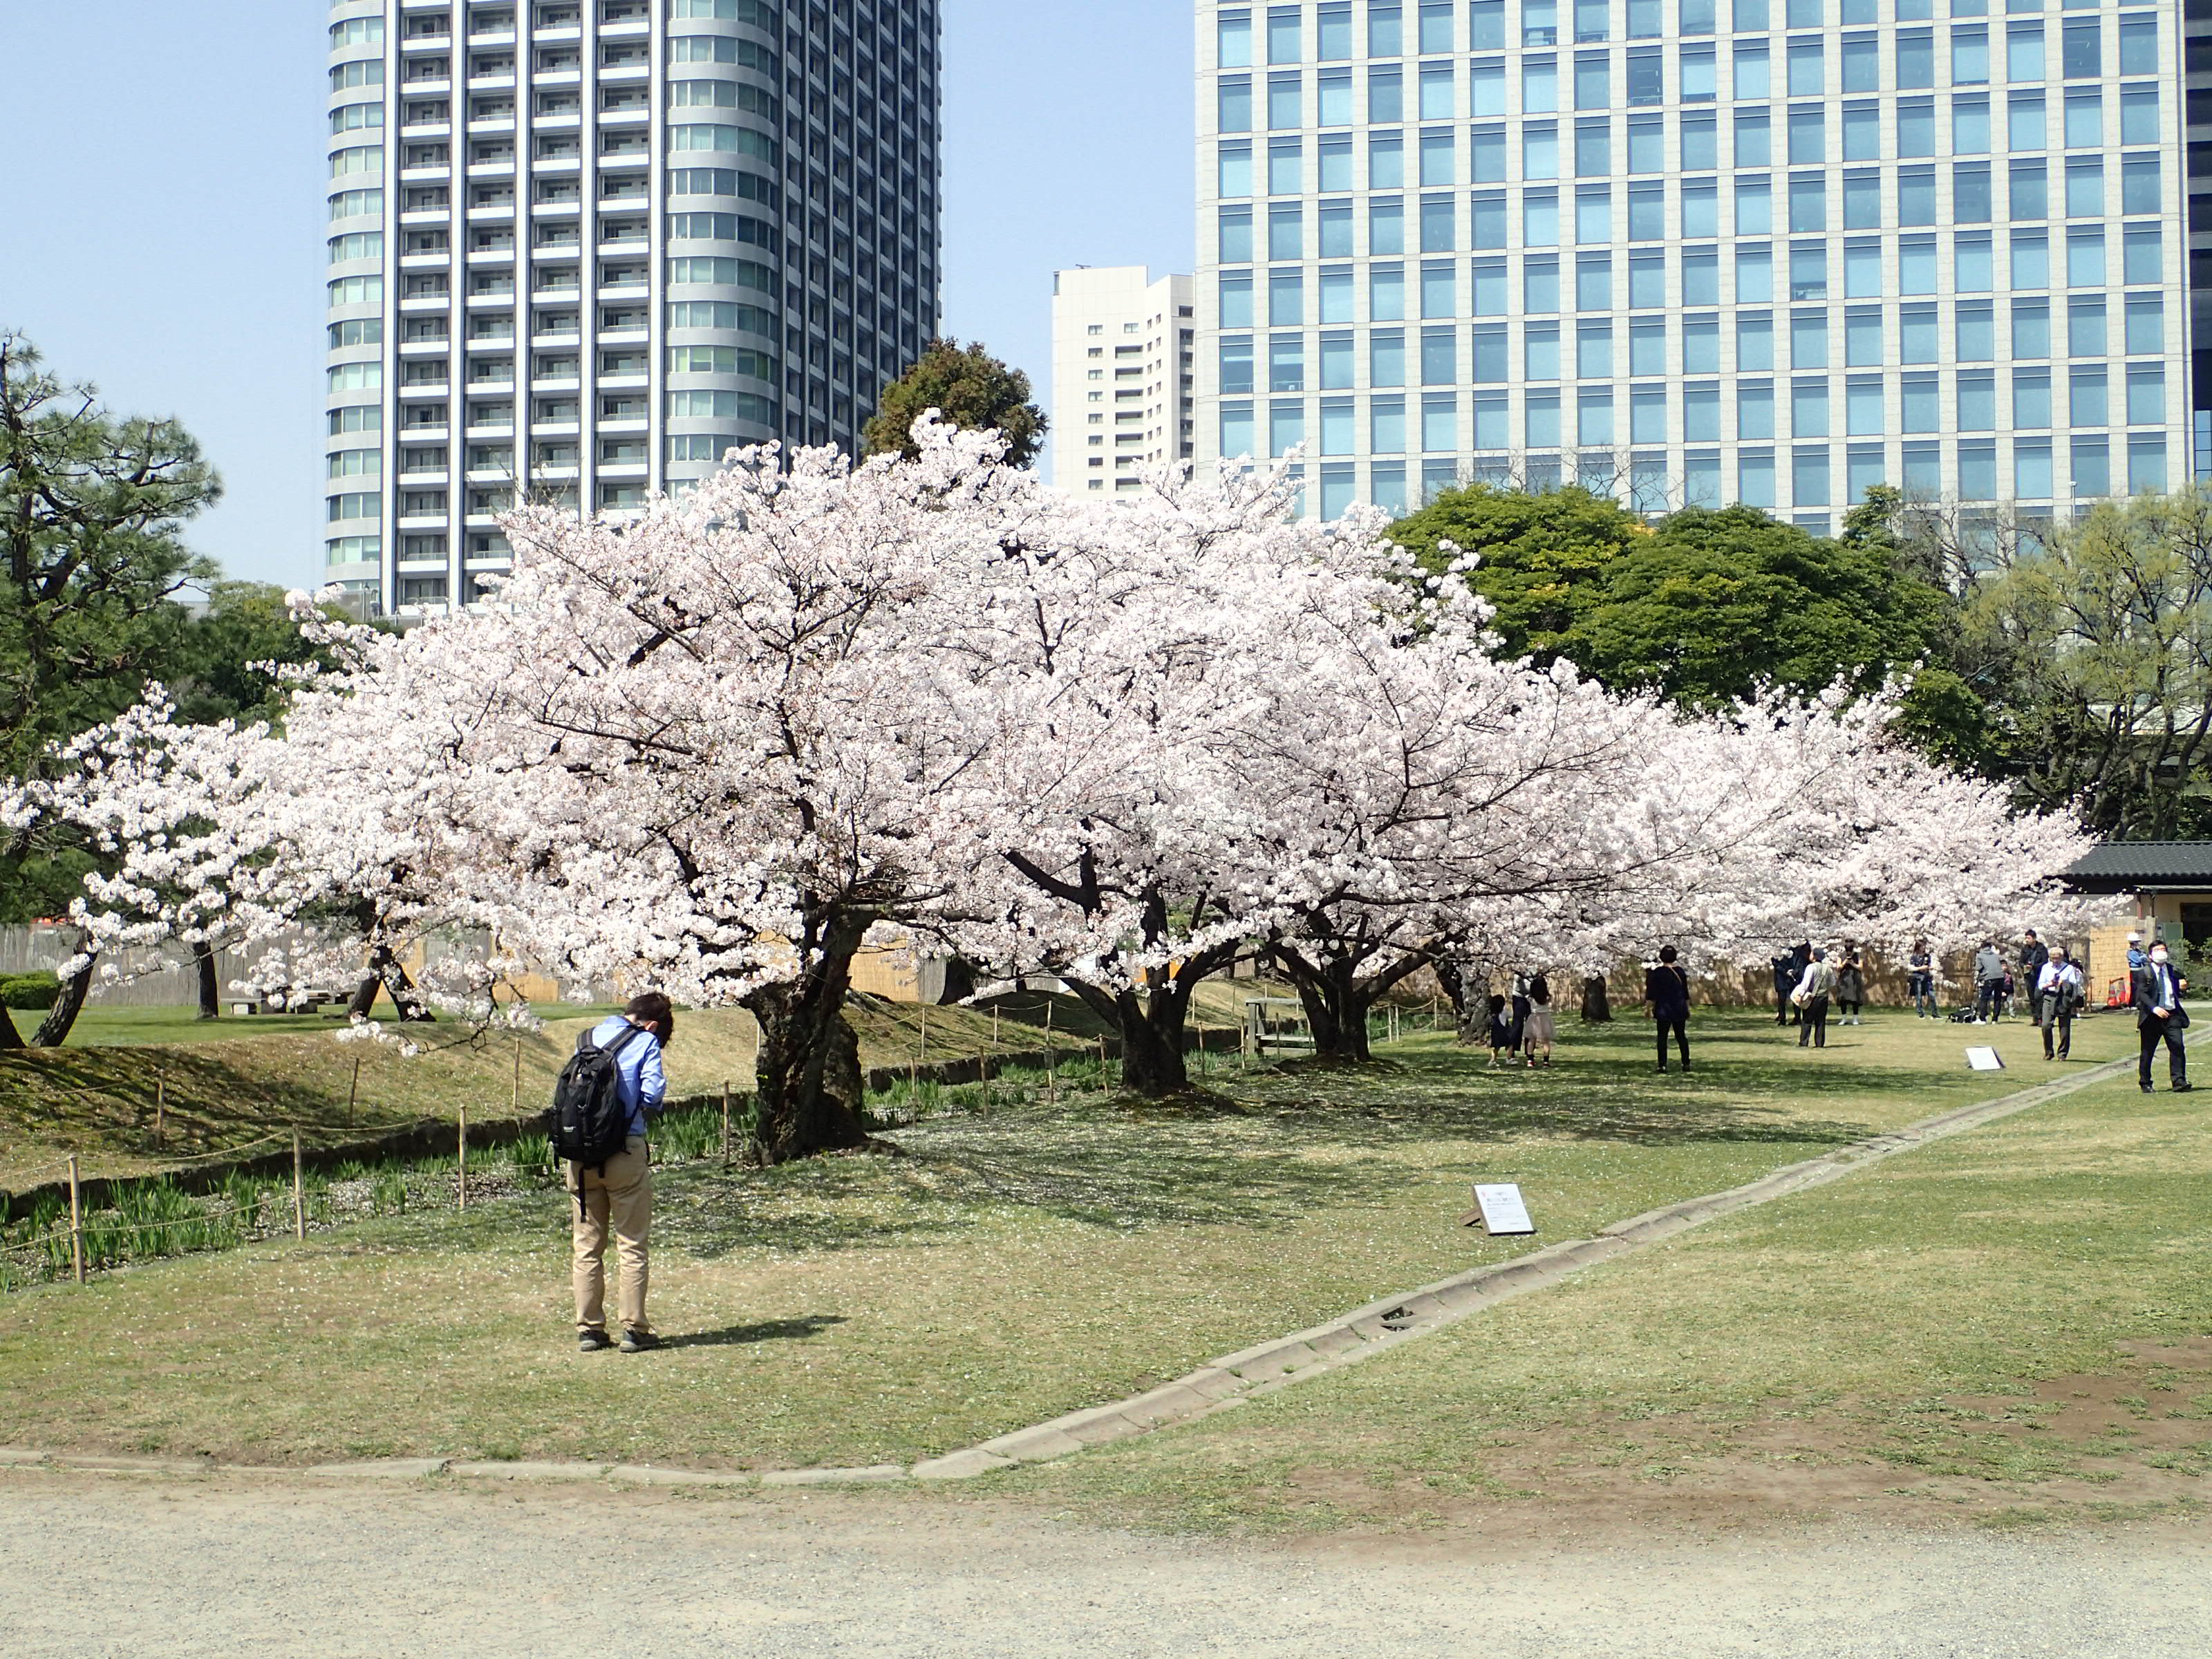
<point>96,1566</point>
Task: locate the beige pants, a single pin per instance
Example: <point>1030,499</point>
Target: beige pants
<point>621,1199</point>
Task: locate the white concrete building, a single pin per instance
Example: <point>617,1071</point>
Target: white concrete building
<point>1121,376</point>
<point>1697,251</point>
<point>578,248</point>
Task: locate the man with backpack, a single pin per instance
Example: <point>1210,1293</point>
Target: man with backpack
<point>609,1088</point>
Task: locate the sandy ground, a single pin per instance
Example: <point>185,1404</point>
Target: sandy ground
<point>96,1566</point>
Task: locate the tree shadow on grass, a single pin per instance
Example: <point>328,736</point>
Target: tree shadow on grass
<point>765,1330</point>
<point>1303,1145</point>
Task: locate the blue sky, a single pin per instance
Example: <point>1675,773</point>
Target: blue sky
<point>161,210</point>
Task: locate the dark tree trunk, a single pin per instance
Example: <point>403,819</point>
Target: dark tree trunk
<point>807,1075</point>
<point>9,1036</point>
<point>1597,1001</point>
<point>210,992</point>
<point>1151,1022</point>
<point>53,1030</point>
<point>362,1003</point>
<point>1470,1016</point>
<point>959,980</point>
<point>386,971</point>
<point>1336,1003</point>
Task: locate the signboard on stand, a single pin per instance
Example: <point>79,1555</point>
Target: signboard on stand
<point>1500,1209</point>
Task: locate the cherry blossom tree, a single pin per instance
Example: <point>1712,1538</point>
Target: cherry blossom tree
<point>708,750</point>
<point>716,748</point>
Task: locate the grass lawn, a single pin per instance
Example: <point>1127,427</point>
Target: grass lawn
<point>2014,1328</point>
<point>862,1309</point>
<point>229,1081</point>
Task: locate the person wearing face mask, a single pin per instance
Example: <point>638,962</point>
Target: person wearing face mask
<point>2159,1017</point>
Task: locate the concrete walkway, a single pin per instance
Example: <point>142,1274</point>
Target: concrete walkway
<point>104,1567</point>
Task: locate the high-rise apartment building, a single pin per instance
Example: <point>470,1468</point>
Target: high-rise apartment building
<point>578,248</point>
<point>1122,348</point>
<point>1701,250</point>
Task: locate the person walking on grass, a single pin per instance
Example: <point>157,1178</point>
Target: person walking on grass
<point>1851,989</point>
<point>1504,1030</point>
<point>1539,1031</point>
<point>1666,989</point>
<point>1811,997</point>
<point>2033,953</point>
<point>1920,980</point>
<point>1989,983</point>
<point>2059,991</point>
<point>1789,969</point>
<point>2159,1017</point>
<point>615,1198</point>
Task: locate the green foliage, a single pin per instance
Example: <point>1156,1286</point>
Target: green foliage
<point>37,990</point>
<point>1707,607</point>
<point>217,667</point>
<point>1943,716</point>
<point>1544,556</point>
<point>971,389</point>
<point>92,512</point>
<point>2092,650</point>
<point>1718,603</point>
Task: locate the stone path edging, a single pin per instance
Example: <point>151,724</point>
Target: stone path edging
<point>1220,1383</point>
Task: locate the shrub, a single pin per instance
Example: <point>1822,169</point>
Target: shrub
<point>39,991</point>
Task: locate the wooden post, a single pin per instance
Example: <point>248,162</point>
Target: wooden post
<point>461,1158</point>
<point>354,1092</point>
<point>921,1055</point>
<point>518,1076</point>
<point>76,1224</point>
<point>1051,1090</point>
<point>725,1122</point>
<point>161,1110</point>
<point>299,1192</point>
<point>1204,1065</point>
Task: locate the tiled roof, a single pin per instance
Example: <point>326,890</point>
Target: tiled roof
<point>2117,866</point>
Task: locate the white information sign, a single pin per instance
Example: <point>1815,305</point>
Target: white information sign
<point>1984,1059</point>
<point>1504,1210</point>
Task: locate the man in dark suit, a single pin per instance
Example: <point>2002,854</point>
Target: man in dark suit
<point>2159,1017</point>
<point>1666,988</point>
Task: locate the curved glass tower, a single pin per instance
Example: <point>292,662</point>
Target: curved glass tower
<point>578,248</point>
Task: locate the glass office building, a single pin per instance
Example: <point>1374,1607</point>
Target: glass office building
<point>578,248</point>
<point>1697,251</point>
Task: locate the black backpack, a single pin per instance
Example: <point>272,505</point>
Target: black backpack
<point>590,1123</point>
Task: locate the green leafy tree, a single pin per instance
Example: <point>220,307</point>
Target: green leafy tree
<point>1544,556</point>
<point>1716,603</point>
<point>220,662</point>
<point>971,389</point>
<point>1707,607</point>
<point>2090,653</point>
<point>92,512</point>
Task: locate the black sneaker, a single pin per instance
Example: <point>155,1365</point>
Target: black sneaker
<point>2184,1088</point>
<point>639,1342</point>
<point>593,1341</point>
